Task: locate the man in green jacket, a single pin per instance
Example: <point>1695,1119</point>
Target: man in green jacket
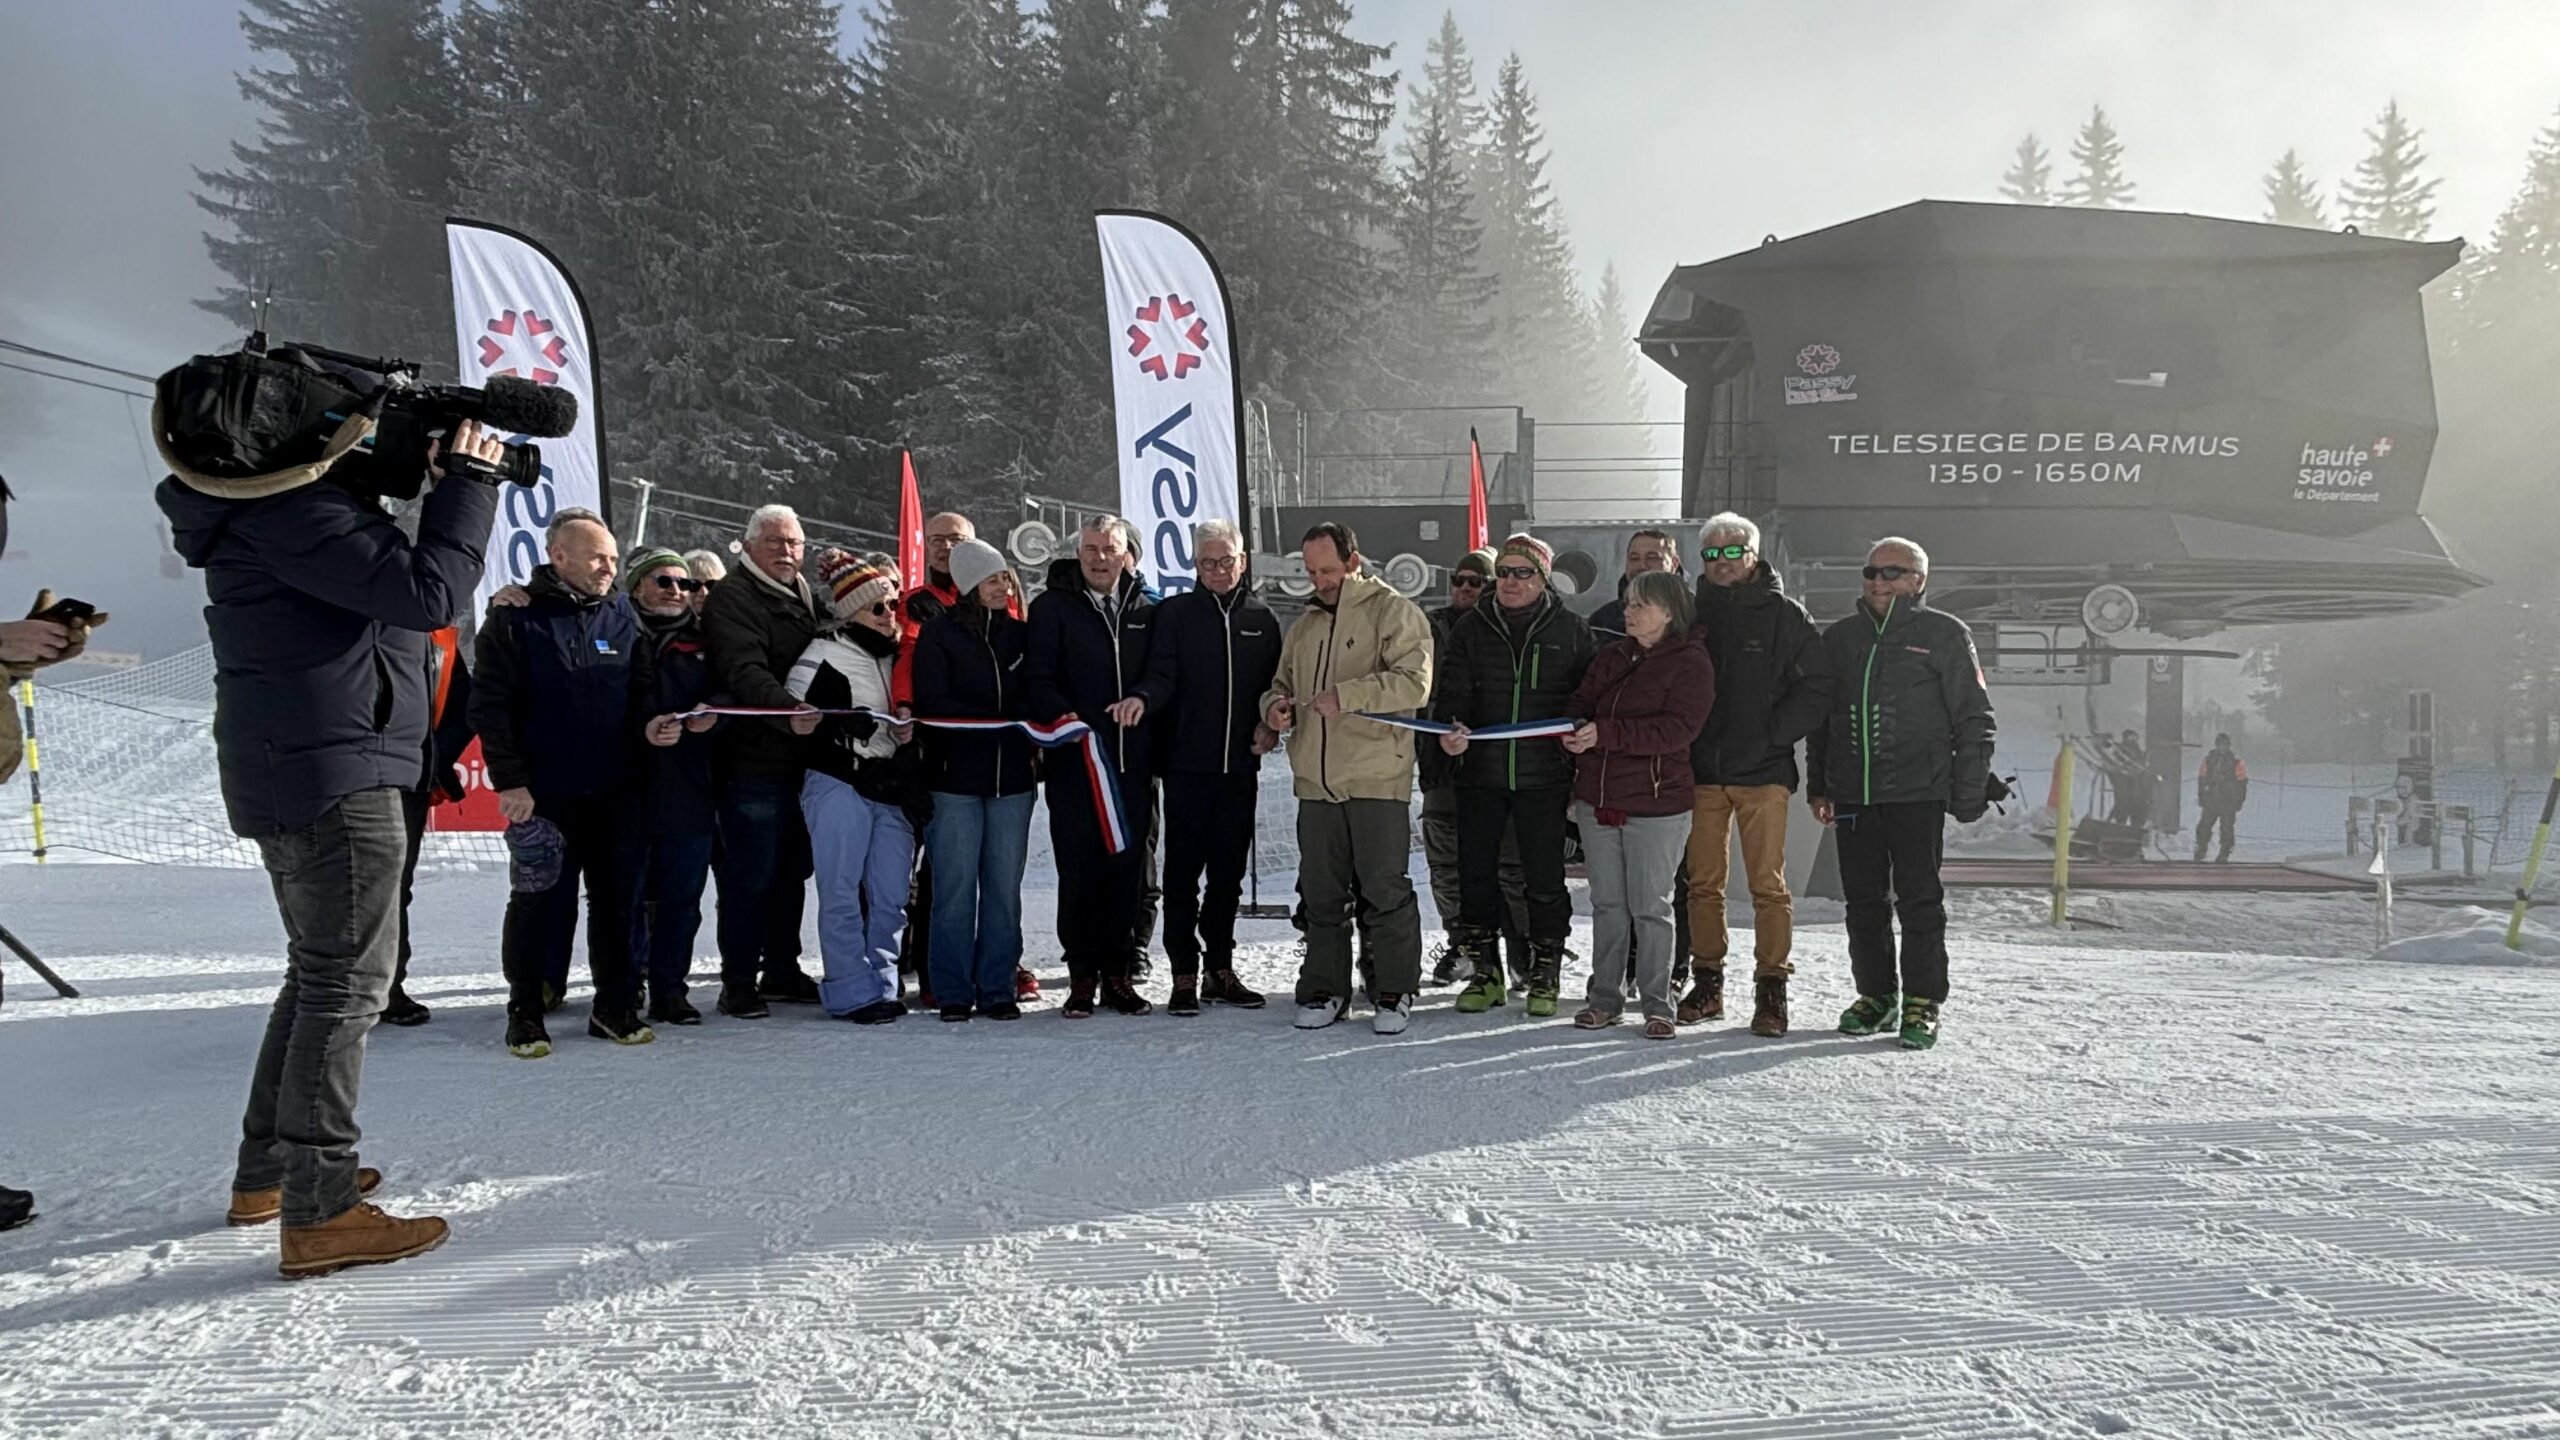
<point>1907,745</point>
<point>1360,649</point>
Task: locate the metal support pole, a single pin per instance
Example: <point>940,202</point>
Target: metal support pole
<point>2062,839</point>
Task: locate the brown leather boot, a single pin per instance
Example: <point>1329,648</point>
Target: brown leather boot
<point>1705,1000</point>
<point>1769,1005</point>
<point>257,1207</point>
<point>362,1236</point>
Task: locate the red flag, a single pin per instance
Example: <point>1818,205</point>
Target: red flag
<point>910,524</point>
<point>1479,526</point>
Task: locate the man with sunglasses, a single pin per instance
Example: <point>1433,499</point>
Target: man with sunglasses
<point>1908,744</point>
<point>1518,659</point>
<point>668,838</point>
<point>1773,688</point>
<point>1437,772</point>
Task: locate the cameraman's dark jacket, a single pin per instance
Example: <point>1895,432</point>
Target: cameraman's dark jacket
<point>671,673</point>
<point>1496,668</point>
<point>1913,720</point>
<point>1207,667</point>
<point>319,616</point>
<point>757,627</point>
<point>1774,683</point>
<point>551,691</point>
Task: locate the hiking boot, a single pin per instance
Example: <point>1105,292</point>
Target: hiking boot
<point>1001,1010</point>
<point>1318,1011</point>
<point>1483,993</point>
<point>1705,1000</point>
<point>620,1026</point>
<point>1141,965</point>
<point>954,1014</point>
<point>1079,1004</point>
<point>741,1002</point>
<point>1395,1012</point>
<point>673,1010</point>
<point>554,995</point>
<point>1919,1024</point>
<point>1223,988</point>
<point>1444,964</point>
<point>880,1012</point>
<point>1769,1005</point>
<point>1869,1014</point>
<point>1026,986</point>
<point>17,1207</point>
<point>1546,978</point>
<point>791,987</point>
<point>526,1039</point>
<point>404,1012</point>
<point>1185,1001</point>
<point>362,1236</point>
<point>1123,998</point>
<point>257,1207</point>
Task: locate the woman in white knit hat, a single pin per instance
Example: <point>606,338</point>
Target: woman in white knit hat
<point>863,796</point>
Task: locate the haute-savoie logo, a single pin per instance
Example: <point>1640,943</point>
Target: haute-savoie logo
<point>1172,329</point>
<point>542,355</point>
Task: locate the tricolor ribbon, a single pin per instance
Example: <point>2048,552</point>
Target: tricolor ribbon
<point>1056,734</point>
<point>1519,730</point>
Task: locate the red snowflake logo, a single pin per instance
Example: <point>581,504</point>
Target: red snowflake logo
<point>1817,359</point>
<point>1186,337</point>
<point>532,332</point>
<point>2381,447</point>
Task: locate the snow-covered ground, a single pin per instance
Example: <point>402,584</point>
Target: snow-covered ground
<point>2208,1172</point>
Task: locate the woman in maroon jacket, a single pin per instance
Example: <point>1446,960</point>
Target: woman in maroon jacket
<point>1641,703</point>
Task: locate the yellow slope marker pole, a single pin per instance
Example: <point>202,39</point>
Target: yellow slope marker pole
<point>2062,838</point>
<point>2515,922</point>
<point>35,771</point>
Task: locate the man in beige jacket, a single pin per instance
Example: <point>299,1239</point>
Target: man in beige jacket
<point>1360,647</point>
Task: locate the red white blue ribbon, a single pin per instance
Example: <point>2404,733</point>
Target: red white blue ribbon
<point>1518,730</point>
<point>1056,734</point>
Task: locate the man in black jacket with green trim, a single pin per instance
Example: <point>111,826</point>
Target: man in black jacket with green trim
<point>1908,744</point>
<point>1516,657</point>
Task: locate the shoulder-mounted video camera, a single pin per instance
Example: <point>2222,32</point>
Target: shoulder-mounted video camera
<point>262,420</point>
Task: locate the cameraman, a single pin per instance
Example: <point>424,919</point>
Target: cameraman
<point>319,615</point>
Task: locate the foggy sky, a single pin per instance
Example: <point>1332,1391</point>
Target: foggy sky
<point>1681,130</point>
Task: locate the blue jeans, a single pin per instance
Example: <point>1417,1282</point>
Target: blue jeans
<point>977,846</point>
<point>667,874</point>
<point>865,855</point>
<point>764,852</point>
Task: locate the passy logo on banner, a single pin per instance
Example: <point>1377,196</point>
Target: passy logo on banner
<point>525,513</point>
<point>1167,342</point>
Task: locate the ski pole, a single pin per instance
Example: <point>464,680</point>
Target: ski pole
<point>35,767</point>
<point>2524,887</point>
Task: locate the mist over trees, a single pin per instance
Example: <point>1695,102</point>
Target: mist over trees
<point>800,262</point>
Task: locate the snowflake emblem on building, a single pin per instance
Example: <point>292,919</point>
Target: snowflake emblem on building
<point>1817,359</point>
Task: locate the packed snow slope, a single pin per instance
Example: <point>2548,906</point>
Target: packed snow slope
<point>2212,1172</point>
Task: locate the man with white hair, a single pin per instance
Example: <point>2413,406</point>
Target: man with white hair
<point>756,623</point>
<point>1086,656</point>
<point>1773,688</point>
<point>1215,650</point>
<point>1910,746</point>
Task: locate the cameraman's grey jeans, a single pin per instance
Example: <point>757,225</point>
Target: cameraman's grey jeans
<point>337,884</point>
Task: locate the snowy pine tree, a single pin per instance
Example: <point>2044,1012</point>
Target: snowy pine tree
<point>2293,198</point>
<point>2100,183</point>
<point>1622,366</point>
<point>1439,342</point>
<point>337,208</point>
<point>2520,268</point>
<point>1541,330</point>
<point>2387,195</point>
<point>2029,178</point>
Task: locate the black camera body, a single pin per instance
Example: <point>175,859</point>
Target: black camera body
<point>275,416</point>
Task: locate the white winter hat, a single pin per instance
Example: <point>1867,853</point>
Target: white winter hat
<point>972,561</point>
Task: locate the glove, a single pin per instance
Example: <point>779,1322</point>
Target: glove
<point>1969,809</point>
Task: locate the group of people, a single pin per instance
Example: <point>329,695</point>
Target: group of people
<point>653,727</point>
